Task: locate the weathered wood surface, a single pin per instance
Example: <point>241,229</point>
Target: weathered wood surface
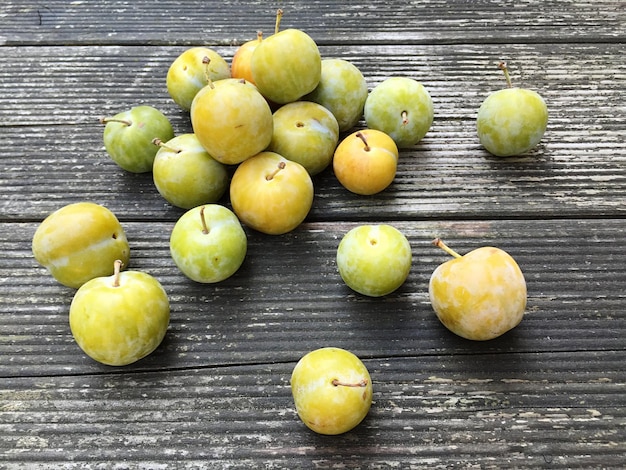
<point>380,21</point>
<point>53,96</point>
<point>550,394</point>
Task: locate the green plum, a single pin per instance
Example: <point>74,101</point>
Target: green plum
<point>191,71</point>
<point>374,260</point>
<point>511,121</point>
<point>208,243</point>
<point>128,137</point>
<point>119,319</point>
<point>287,65</point>
<point>342,90</point>
<point>79,242</point>
<point>307,133</point>
<point>402,108</point>
<point>332,390</point>
<point>186,175</point>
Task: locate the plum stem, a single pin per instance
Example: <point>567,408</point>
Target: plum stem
<point>259,36</point>
<point>405,118</point>
<point>438,242</point>
<point>159,143</point>
<point>206,61</point>
<point>337,383</point>
<point>361,136</point>
<point>104,120</point>
<point>505,70</point>
<point>279,17</point>
<point>281,166</point>
<point>117,269</point>
<point>205,228</point>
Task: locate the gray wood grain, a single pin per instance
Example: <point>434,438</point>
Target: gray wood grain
<point>392,22</point>
<point>549,394</point>
<point>53,146</point>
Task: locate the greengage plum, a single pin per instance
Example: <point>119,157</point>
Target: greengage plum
<point>332,390</point>
<point>120,319</point>
<point>511,121</point>
<point>374,260</point>
<point>307,133</point>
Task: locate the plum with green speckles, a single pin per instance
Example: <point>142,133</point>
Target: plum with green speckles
<point>307,133</point>
<point>402,108</point>
<point>374,260</point>
<point>332,390</point>
<point>511,121</point>
<point>191,71</point>
<point>186,175</point>
<point>120,319</point>
<point>286,65</point>
<point>208,243</point>
<point>128,137</point>
<point>342,90</point>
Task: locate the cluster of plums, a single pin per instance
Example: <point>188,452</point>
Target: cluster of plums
<point>275,117</point>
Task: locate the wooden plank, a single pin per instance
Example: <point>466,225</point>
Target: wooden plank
<point>504,411</point>
<point>379,21</point>
<point>288,298</point>
<point>52,150</point>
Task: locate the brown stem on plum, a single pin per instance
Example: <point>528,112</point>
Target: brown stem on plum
<point>205,228</point>
<point>207,75</point>
<point>117,269</point>
<point>362,137</point>
<point>270,177</point>
<point>159,143</point>
<point>279,17</point>
<point>259,36</point>
<point>438,242</point>
<point>505,70</point>
<point>104,120</point>
<point>405,118</point>
<point>338,383</point>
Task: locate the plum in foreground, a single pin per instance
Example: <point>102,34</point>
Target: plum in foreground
<point>332,390</point>
<point>120,319</point>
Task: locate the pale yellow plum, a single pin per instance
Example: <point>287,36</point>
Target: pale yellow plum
<point>79,242</point>
<point>307,133</point>
<point>511,121</point>
<point>119,319</point>
<point>232,120</point>
<point>208,243</point>
<point>271,194</point>
<point>342,90</point>
<point>191,71</point>
<point>186,175</point>
<point>480,295</point>
<point>365,162</point>
<point>374,260</point>
<point>332,390</point>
